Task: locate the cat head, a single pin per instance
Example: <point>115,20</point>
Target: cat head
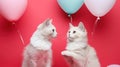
<point>77,32</point>
<point>47,29</point>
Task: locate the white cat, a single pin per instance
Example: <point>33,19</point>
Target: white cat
<point>78,52</point>
<point>38,53</point>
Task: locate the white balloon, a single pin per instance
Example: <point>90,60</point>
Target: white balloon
<point>99,7</point>
<point>114,65</point>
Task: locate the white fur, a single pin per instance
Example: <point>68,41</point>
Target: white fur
<point>38,53</point>
<point>78,53</point>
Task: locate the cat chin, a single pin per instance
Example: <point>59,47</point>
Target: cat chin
<point>70,38</point>
<point>54,36</point>
<point>50,38</point>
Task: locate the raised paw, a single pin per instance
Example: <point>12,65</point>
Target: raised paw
<point>66,53</point>
<point>67,56</point>
<point>63,53</point>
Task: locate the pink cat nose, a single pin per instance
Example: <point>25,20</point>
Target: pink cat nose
<point>70,37</point>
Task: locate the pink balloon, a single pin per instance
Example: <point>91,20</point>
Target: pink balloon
<point>12,10</point>
<point>99,7</point>
<point>114,65</point>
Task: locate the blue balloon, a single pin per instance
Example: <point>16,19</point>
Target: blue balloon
<point>70,6</point>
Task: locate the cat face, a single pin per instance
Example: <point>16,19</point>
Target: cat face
<point>47,28</point>
<point>76,32</point>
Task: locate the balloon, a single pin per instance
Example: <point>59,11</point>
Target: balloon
<point>114,65</point>
<point>70,6</point>
<point>99,7</point>
<point>12,10</point>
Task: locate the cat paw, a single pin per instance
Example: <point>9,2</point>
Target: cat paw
<point>63,53</point>
<point>66,53</point>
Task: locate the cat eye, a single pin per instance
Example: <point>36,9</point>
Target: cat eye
<point>69,31</point>
<point>53,30</point>
<point>74,31</point>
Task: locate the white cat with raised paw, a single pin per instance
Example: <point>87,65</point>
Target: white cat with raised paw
<point>78,52</point>
<point>38,53</point>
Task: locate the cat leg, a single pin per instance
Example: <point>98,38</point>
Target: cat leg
<point>28,63</point>
<point>70,53</point>
<point>25,63</point>
<point>74,59</point>
<point>26,59</point>
<point>71,61</point>
<point>93,60</point>
<point>49,61</point>
<point>32,63</point>
<point>69,58</point>
<point>93,63</point>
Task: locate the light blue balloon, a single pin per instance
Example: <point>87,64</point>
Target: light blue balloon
<point>70,6</point>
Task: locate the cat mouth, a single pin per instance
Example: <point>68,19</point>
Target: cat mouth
<point>53,35</point>
<point>70,38</point>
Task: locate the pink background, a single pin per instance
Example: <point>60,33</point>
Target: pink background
<point>106,39</point>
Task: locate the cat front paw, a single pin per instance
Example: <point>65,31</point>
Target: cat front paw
<point>63,53</point>
<point>67,57</point>
<point>66,53</point>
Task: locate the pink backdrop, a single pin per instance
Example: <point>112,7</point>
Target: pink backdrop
<point>106,39</point>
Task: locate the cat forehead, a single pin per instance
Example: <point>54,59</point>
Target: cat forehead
<point>74,28</point>
<point>51,26</point>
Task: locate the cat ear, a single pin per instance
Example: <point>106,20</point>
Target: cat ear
<point>81,26</point>
<point>47,22</point>
<point>39,26</point>
<point>70,25</point>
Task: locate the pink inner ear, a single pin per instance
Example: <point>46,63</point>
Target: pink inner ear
<point>47,23</point>
<point>70,25</point>
<point>50,20</point>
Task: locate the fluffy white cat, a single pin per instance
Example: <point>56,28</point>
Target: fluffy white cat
<point>38,53</point>
<point>78,52</point>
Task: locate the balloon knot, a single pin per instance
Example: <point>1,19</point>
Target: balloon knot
<point>69,15</point>
<point>13,23</point>
<point>98,18</point>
